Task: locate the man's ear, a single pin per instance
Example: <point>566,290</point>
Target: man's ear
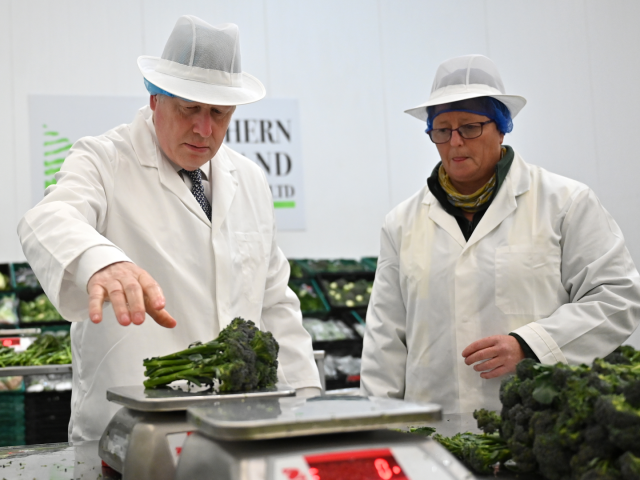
<point>153,101</point>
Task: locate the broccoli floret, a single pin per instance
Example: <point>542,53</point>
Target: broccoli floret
<point>488,422</point>
<point>526,369</point>
<point>601,470</point>
<point>553,460</point>
<point>629,466</point>
<point>523,456</point>
<point>631,393</point>
<point>509,395</point>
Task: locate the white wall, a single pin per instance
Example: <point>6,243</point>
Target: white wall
<point>354,67</point>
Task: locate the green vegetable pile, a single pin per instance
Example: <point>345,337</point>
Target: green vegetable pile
<point>47,349</point>
<point>8,314</point>
<point>564,422</point>
<point>334,266</point>
<point>309,299</point>
<point>39,309</point>
<point>4,282</point>
<point>296,270</point>
<point>343,293</point>
<point>242,358</point>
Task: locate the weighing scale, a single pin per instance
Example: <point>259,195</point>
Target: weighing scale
<point>144,438</point>
<point>320,438</point>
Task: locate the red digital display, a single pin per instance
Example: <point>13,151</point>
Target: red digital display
<point>10,342</point>
<point>376,464</point>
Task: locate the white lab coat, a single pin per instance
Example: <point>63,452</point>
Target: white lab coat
<point>116,192</point>
<point>546,261</point>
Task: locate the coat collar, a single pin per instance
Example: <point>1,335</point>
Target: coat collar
<point>517,182</point>
<point>223,178</point>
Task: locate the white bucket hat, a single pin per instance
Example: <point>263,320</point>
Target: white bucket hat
<point>469,76</point>
<point>201,63</point>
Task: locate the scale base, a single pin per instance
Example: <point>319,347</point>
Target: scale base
<point>140,445</point>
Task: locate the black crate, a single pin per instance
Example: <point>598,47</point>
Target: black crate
<point>28,295</point>
<point>325,280</point>
<point>47,416</point>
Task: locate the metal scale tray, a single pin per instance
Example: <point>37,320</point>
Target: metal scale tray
<point>268,418</point>
<point>138,398</point>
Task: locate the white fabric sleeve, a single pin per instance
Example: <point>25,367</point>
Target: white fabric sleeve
<point>91,261</point>
<point>308,392</point>
<point>603,285</point>
<point>68,222</point>
<point>384,354</point>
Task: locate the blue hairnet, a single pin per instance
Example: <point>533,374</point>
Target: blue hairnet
<point>487,106</point>
<point>155,90</point>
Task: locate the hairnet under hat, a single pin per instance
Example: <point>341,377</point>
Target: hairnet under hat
<point>469,76</point>
<point>201,63</point>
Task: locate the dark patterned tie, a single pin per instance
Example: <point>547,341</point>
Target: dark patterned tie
<point>198,190</point>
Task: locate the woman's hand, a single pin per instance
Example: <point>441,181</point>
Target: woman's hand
<point>498,354</point>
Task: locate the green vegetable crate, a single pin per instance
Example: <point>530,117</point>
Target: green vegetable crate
<point>312,301</point>
<point>12,418</point>
<point>349,291</point>
<point>316,267</point>
<point>370,262</point>
<point>23,278</point>
<point>296,270</point>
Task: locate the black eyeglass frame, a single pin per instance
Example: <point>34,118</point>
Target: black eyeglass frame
<point>451,130</point>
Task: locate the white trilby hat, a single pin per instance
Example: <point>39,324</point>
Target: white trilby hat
<point>469,76</point>
<point>201,63</point>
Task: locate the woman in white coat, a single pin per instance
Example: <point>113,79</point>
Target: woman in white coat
<point>493,261</point>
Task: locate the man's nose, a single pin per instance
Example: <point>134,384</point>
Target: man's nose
<point>203,125</point>
<point>456,139</point>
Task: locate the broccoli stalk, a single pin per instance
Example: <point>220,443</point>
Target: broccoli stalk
<point>241,358</point>
<point>483,453</point>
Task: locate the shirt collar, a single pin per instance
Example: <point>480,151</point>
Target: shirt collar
<point>206,168</point>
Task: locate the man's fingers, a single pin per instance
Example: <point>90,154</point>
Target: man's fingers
<point>479,345</point>
<point>97,296</point>
<point>163,318</point>
<point>135,301</point>
<point>119,303</point>
<point>154,297</point>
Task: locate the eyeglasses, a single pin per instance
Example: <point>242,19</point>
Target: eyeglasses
<point>468,131</point>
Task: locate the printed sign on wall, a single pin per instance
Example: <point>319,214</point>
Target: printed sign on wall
<point>267,132</point>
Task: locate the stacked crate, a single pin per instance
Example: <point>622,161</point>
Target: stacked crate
<point>335,293</point>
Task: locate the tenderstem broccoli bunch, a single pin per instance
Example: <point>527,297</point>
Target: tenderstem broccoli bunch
<point>241,358</point>
<point>575,422</point>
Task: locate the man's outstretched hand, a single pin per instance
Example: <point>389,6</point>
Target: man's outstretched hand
<point>499,355</point>
<point>131,291</point>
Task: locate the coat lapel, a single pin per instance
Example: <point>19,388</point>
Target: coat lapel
<point>150,155</point>
<point>445,221</point>
<point>516,183</point>
<point>225,186</point>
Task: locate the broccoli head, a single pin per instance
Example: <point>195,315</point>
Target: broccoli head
<point>629,466</point>
<point>488,422</point>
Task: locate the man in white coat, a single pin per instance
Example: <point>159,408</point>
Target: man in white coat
<point>161,219</point>
<point>493,261</point>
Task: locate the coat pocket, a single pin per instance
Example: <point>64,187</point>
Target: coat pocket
<point>250,263</point>
<point>528,280</point>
